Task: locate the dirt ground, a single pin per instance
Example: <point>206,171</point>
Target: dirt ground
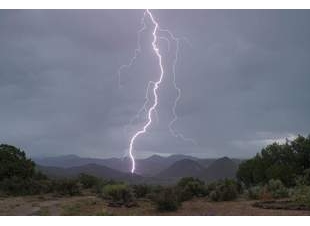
<point>92,205</point>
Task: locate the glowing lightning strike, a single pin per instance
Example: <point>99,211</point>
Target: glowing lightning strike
<point>153,86</point>
<point>143,108</point>
<point>156,85</point>
<point>175,116</point>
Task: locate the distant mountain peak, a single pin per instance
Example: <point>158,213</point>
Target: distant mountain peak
<point>154,157</point>
<point>173,166</point>
<point>223,159</point>
<point>221,168</point>
<point>182,168</point>
<point>69,156</point>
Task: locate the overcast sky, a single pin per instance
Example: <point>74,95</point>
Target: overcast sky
<point>244,75</point>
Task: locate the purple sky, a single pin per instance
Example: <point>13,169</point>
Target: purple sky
<point>244,76</point>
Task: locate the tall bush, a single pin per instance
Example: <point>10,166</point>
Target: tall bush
<point>190,187</point>
<point>223,190</point>
<point>118,193</point>
<point>167,200</point>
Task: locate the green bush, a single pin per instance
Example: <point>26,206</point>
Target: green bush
<point>99,187</point>
<point>13,163</point>
<point>215,196</point>
<point>303,179</point>
<point>302,195</point>
<point>17,186</point>
<point>277,189</point>
<point>141,190</point>
<point>273,189</point>
<point>254,192</point>
<point>18,174</point>
<point>154,191</point>
<point>88,181</point>
<point>118,193</point>
<point>223,190</point>
<point>67,187</point>
<point>167,200</point>
<point>190,187</point>
<point>278,161</point>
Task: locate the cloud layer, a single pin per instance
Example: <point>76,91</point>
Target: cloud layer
<point>244,76</point>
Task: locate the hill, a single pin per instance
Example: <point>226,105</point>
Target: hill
<point>155,166</point>
<point>68,161</point>
<point>220,169</point>
<point>91,169</point>
<point>182,168</point>
<point>148,167</point>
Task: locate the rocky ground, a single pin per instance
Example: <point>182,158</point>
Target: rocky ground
<point>92,205</point>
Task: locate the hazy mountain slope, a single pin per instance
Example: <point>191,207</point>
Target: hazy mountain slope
<point>68,161</point>
<point>153,166</point>
<point>148,167</point>
<point>220,169</point>
<point>182,168</point>
<point>91,169</point>
<point>205,162</point>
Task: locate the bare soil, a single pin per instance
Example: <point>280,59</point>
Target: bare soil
<point>92,205</point>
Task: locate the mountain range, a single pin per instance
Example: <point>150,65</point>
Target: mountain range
<point>155,169</point>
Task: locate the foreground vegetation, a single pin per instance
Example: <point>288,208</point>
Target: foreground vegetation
<point>279,172</point>
<point>92,205</point>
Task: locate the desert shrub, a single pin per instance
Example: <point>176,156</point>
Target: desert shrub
<point>38,175</point>
<point>278,161</point>
<point>13,163</point>
<point>302,195</point>
<point>184,194</point>
<point>46,186</point>
<point>190,187</point>
<point>265,194</point>
<point>303,179</point>
<point>215,195</point>
<point>141,190</point>
<point>18,174</point>
<point>277,189</point>
<point>155,190</point>
<point>18,186</point>
<point>15,186</point>
<point>67,187</point>
<point>167,200</point>
<point>118,193</point>
<point>88,181</point>
<point>211,187</point>
<point>223,190</point>
<point>99,187</point>
<point>254,192</point>
<point>274,189</point>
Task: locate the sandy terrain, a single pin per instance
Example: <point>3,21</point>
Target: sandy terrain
<point>92,205</point>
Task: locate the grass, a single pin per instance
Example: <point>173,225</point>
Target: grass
<point>81,207</point>
<point>44,211</point>
<point>94,206</point>
<point>104,212</point>
<point>72,210</point>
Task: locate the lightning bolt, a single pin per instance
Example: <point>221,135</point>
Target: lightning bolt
<point>155,88</point>
<point>175,133</point>
<point>143,109</point>
<point>154,85</point>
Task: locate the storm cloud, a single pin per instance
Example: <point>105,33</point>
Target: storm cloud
<point>244,76</point>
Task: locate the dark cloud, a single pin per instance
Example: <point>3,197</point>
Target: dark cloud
<point>244,76</point>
